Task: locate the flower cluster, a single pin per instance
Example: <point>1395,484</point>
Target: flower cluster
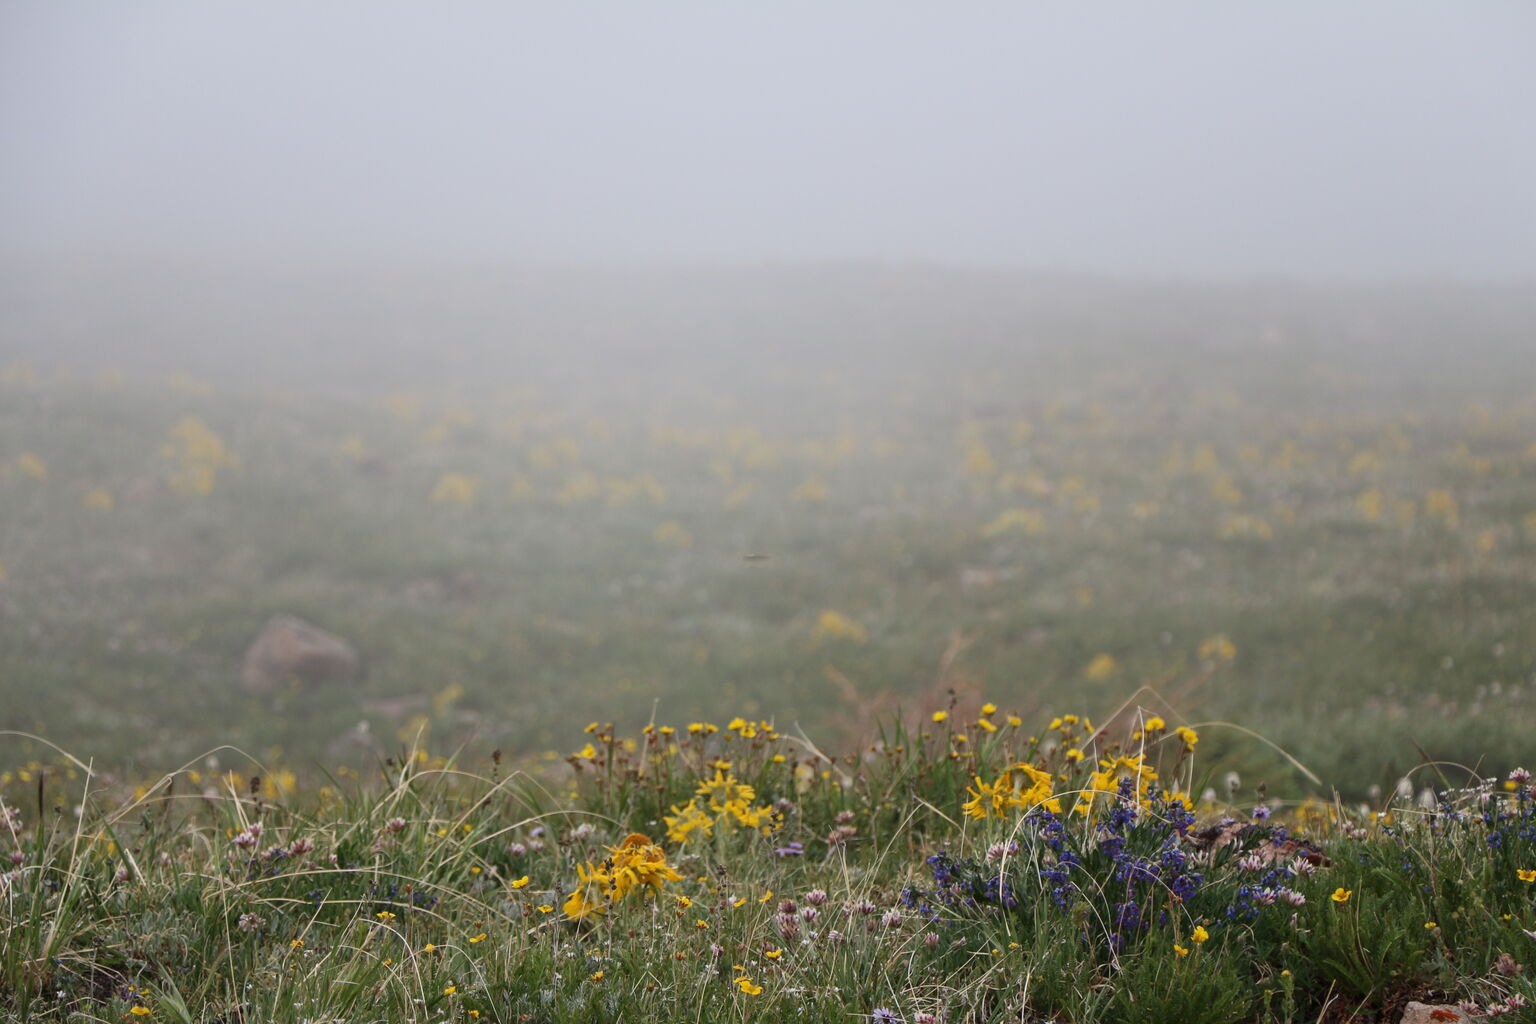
<point>727,802</point>
<point>1021,786</point>
<point>1122,775</point>
<point>636,864</point>
<point>1134,862</point>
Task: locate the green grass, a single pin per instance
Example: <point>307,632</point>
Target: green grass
<point>437,889</point>
<point>990,508</point>
<point>544,602</point>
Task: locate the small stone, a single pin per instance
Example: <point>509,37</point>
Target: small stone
<point>1437,1013</point>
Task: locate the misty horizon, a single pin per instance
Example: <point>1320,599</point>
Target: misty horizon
<point>1190,141</point>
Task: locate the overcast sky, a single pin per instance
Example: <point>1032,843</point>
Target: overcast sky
<point>1301,138</point>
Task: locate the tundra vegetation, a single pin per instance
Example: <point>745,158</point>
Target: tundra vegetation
<point>839,600</point>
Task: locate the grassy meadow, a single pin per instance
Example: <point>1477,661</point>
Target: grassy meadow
<point>828,526</point>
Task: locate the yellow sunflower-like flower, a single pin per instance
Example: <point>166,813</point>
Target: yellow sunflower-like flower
<point>687,821</point>
<point>635,864</point>
<point>1107,780</point>
<point>1022,786</point>
<point>724,789</point>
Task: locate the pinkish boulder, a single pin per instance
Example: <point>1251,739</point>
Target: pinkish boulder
<point>289,650</point>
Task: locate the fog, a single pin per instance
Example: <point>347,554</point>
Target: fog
<point>1177,139</point>
<point>822,363</point>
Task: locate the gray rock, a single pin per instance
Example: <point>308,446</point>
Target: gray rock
<point>291,650</point>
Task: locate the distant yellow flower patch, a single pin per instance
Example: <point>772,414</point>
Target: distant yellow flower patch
<point>1217,648</point>
<point>197,454</point>
<point>1246,527</point>
<point>1103,666</point>
<point>1441,505</point>
<point>32,465</point>
<point>672,534</point>
<point>1371,504</point>
<point>834,625</point>
<point>1027,521</point>
<point>811,489</point>
<point>455,489</point>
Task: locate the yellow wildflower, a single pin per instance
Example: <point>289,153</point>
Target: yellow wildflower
<point>834,625</point>
<point>684,821</point>
<point>99,498</point>
<point>1217,648</point>
<point>636,863</point>
<point>1101,667</point>
<point>455,489</point>
<point>1341,895</point>
<point>33,465</point>
<point>985,799</point>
